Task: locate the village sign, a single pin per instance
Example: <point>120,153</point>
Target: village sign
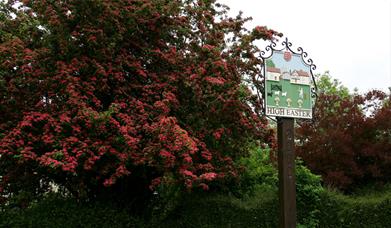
<point>289,88</point>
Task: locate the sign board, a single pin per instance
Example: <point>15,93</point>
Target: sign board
<point>288,86</point>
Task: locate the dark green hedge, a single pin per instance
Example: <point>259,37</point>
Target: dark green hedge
<point>332,210</point>
<point>225,211</point>
<point>338,210</point>
<point>210,210</point>
<point>59,212</point>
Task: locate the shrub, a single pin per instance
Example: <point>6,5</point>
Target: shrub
<point>261,175</point>
<point>260,209</point>
<point>317,207</point>
<point>339,210</point>
<point>348,142</point>
<point>226,211</point>
<point>258,172</point>
<point>56,211</point>
<point>117,97</point>
<point>308,195</point>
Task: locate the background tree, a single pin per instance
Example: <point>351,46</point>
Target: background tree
<point>347,142</point>
<point>124,94</point>
<point>329,86</point>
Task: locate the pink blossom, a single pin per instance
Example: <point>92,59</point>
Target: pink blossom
<point>216,81</point>
<point>208,176</point>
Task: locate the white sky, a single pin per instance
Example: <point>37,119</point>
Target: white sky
<point>350,38</point>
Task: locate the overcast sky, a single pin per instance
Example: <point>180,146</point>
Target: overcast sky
<point>350,38</point>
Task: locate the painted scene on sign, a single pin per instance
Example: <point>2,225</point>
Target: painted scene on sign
<point>288,82</point>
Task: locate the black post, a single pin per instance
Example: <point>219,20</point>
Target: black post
<point>286,172</point>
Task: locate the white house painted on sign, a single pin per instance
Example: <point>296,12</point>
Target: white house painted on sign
<point>300,77</point>
<point>286,75</point>
<point>273,74</point>
<point>296,76</point>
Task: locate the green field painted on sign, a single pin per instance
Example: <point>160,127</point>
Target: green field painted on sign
<point>283,93</point>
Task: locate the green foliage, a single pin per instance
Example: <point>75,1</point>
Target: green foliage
<point>55,211</point>
<point>329,86</point>
<point>339,210</point>
<point>261,177</point>
<point>308,195</point>
<point>202,210</point>
<point>165,199</point>
<point>259,172</point>
<point>329,209</point>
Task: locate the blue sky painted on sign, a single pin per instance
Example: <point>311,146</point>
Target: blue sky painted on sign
<point>295,63</point>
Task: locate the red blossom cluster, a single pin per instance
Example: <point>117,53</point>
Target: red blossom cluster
<point>264,33</point>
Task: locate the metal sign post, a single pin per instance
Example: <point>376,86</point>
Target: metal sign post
<point>289,90</point>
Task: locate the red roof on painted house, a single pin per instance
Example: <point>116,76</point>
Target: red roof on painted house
<point>273,70</point>
<point>303,73</point>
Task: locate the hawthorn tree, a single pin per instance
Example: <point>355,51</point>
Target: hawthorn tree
<point>124,95</point>
<point>349,141</point>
